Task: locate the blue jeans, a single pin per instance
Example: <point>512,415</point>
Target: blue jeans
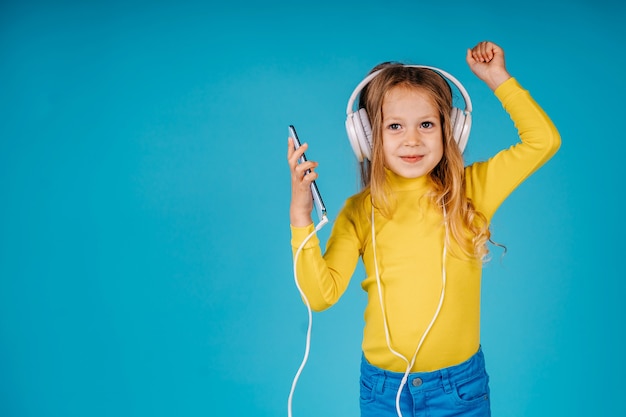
<point>460,390</point>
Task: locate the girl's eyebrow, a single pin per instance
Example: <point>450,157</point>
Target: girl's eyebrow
<point>428,116</point>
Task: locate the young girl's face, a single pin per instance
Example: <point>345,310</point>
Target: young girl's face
<point>412,133</point>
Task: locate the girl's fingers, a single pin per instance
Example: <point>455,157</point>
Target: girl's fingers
<point>294,154</point>
<point>290,148</point>
<point>302,175</point>
<point>309,178</point>
<point>300,172</point>
<point>483,52</point>
<point>299,169</point>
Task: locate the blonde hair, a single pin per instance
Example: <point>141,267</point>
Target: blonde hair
<point>468,227</point>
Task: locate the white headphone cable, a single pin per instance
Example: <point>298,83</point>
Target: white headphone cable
<point>432,322</point>
<point>307,348</point>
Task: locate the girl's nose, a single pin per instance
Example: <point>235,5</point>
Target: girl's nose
<point>413,137</point>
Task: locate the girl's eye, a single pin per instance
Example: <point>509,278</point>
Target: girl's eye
<point>427,125</point>
<point>394,126</point>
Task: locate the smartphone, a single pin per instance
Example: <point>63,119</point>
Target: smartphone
<point>320,208</point>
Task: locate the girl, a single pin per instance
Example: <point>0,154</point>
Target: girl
<point>421,226</point>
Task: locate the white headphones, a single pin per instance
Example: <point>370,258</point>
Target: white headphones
<point>360,131</point>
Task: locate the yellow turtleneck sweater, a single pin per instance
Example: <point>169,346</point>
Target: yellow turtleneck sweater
<point>409,252</point>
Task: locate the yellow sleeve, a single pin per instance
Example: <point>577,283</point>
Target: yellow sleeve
<point>324,278</point>
<point>489,183</point>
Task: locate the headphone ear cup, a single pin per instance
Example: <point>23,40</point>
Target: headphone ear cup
<point>360,134</point>
<point>464,136</point>
<point>365,134</point>
<point>456,122</point>
<point>351,130</point>
<point>461,125</point>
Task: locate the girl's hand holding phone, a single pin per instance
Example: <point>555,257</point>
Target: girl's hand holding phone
<point>304,192</point>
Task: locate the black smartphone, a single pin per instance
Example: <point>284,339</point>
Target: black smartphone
<point>320,208</point>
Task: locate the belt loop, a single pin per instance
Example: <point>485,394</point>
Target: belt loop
<point>380,382</point>
<point>445,381</point>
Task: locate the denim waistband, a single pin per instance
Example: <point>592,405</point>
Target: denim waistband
<point>425,380</point>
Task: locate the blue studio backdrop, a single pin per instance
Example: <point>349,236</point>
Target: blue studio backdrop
<point>145,259</point>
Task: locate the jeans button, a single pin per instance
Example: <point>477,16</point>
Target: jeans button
<point>417,382</point>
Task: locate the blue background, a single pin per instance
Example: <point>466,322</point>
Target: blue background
<point>145,265</point>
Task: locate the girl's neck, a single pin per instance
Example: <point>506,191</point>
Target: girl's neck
<point>398,183</point>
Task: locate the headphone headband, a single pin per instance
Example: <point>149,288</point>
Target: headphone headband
<point>358,125</point>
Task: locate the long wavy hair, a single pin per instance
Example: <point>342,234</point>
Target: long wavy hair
<point>468,227</point>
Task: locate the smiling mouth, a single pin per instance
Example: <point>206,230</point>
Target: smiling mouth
<point>412,158</point>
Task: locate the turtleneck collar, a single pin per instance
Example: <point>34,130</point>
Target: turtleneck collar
<point>398,183</point>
